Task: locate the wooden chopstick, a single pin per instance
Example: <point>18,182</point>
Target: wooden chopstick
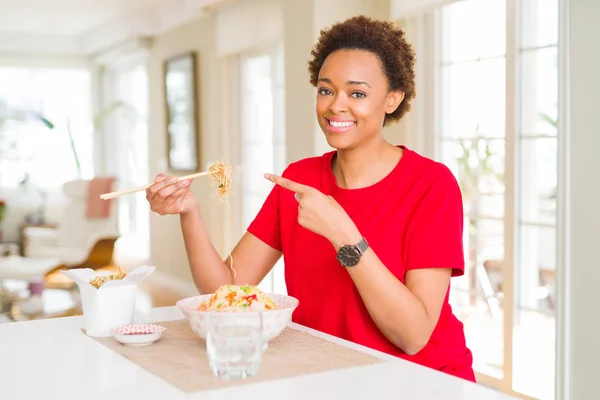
<point>112,195</point>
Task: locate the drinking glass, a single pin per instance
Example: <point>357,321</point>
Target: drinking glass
<point>234,343</point>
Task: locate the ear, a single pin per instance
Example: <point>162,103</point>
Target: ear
<point>393,101</point>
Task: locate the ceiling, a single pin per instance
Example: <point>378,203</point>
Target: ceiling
<point>67,16</point>
<point>82,27</point>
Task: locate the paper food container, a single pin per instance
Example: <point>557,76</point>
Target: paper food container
<point>111,305</point>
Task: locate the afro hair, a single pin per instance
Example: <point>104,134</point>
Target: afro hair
<point>381,38</point>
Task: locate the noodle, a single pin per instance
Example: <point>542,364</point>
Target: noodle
<point>238,298</point>
<point>231,266</point>
<point>98,281</point>
<point>222,175</point>
<point>221,172</point>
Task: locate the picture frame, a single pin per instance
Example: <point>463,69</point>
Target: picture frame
<point>180,83</point>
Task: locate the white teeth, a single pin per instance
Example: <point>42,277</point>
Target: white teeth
<point>341,124</point>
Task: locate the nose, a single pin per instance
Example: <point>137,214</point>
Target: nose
<point>339,104</point>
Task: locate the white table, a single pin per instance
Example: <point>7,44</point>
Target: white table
<point>52,359</point>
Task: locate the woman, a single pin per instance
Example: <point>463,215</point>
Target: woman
<point>371,233</point>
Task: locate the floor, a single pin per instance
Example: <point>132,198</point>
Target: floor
<point>533,349</point>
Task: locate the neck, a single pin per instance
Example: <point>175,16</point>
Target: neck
<point>365,165</point>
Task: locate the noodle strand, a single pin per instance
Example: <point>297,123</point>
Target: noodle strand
<point>221,172</point>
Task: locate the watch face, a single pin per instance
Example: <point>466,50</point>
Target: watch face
<point>348,256</point>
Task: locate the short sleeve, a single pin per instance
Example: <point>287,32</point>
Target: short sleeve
<point>266,224</point>
<point>435,236</point>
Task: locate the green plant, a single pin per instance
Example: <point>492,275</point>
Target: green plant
<point>9,144</point>
<point>8,114</point>
<point>2,209</point>
<point>98,123</point>
<point>475,162</point>
<point>553,123</point>
<point>549,120</point>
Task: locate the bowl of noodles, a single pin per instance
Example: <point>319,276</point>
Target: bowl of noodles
<point>276,309</point>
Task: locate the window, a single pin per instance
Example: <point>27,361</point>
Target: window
<point>497,108</point>
<point>49,157</point>
<point>262,129</point>
<point>533,358</point>
<point>126,146</point>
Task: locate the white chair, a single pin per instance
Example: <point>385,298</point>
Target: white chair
<point>76,234</point>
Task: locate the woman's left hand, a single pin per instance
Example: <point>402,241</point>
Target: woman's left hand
<point>320,213</point>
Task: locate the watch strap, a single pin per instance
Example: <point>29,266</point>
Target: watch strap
<point>363,245</point>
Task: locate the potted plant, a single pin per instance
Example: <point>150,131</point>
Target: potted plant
<point>2,213</point>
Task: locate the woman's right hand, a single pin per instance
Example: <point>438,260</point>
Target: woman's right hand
<point>169,196</point>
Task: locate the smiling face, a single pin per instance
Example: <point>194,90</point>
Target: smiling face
<point>353,98</point>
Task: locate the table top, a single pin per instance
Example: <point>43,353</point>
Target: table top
<point>53,359</point>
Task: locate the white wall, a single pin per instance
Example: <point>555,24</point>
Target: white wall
<point>584,159</point>
<point>167,250</point>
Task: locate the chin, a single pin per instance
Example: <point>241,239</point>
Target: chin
<point>339,142</point>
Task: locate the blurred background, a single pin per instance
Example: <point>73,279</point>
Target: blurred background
<point>98,96</point>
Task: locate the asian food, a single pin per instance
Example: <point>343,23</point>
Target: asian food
<point>98,281</point>
<point>222,181</point>
<point>238,298</point>
<point>222,175</point>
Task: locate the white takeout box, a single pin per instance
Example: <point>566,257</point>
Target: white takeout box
<point>110,306</point>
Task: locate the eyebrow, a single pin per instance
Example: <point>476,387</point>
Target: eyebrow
<point>348,82</point>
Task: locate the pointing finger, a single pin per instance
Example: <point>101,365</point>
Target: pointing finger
<point>288,184</point>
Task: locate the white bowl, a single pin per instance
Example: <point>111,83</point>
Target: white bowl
<point>274,321</point>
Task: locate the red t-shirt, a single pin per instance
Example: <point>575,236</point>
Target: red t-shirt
<point>412,218</point>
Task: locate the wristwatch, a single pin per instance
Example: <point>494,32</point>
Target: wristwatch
<point>349,255</point>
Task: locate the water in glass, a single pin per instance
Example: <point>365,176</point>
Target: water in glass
<point>234,344</point>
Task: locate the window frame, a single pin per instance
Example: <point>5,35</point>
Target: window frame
<point>420,29</point>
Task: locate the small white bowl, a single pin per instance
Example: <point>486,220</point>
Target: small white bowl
<point>138,334</point>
